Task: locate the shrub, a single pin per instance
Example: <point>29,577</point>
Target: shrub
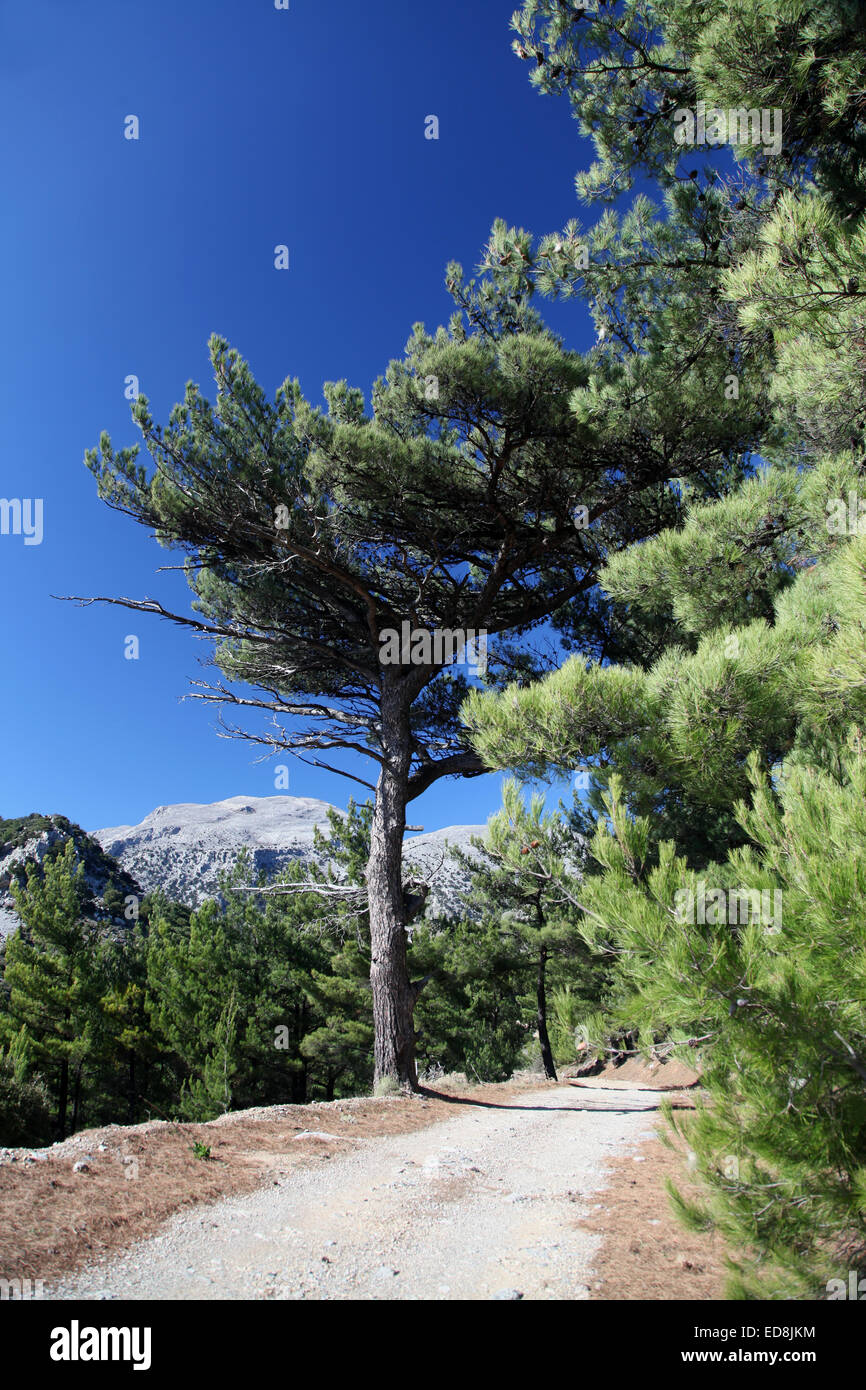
<point>25,1107</point>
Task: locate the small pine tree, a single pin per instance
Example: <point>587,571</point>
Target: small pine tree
<point>52,978</point>
<point>524,873</point>
<point>755,968</point>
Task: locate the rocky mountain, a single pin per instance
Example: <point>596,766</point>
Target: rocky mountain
<point>35,838</point>
<point>427,856</point>
<point>184,849</point>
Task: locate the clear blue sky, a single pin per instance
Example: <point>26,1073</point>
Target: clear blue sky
<point>257,127</point>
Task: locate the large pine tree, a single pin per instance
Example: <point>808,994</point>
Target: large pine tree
<point>471,499</point>
<point>725,727</point>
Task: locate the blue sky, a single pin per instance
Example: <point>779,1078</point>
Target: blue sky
<point>257,127</point>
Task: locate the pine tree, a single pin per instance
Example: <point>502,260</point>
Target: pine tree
<point>473,1016</point>
<point>131,1057</point>
<point>52,978</point>
<point>628,68</point>
<point>755,967</point>
<point>341,1048</point>
<point>750,964</point>
<point>453,508</point>
<point>746,269</point>
<point>524,872</point>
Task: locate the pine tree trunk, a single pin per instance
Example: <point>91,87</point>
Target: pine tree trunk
<point>63,1098</point>
<point>543,1038</point>
<point>76,1098</point>
<point>393,998</point>
<point>130,1095</point>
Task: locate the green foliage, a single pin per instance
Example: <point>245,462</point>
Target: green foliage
<point>255,1000</point>
<point>721,726</point>
<point>692,719</point>
<point>20,829</point>
<point>752,713</point>
<point>491,971</point>
<point>230,997</point>
<point>626,69</point>
<point>807,277</point>
<point>25,1105</point>
<point>763,719</point>
<point>52,976</point>
<point>570,1006</point>
<point>340,502</point>
<point>470,1018</point>
<point>767,986</point>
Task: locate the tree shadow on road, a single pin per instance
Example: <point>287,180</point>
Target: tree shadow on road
<point>546,1109</point>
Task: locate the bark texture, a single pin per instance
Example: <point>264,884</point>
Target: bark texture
<point>393,994</point>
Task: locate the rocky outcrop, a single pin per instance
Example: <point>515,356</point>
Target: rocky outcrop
<point>35,838</point>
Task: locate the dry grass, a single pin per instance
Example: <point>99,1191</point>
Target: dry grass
<point>645,1252</point>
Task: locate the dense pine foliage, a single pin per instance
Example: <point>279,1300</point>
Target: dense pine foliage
<point>725,754</point>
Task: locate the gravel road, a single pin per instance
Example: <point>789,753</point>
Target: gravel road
<point>481,1206</point>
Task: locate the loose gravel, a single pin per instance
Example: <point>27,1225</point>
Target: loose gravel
<point>486,1205</point>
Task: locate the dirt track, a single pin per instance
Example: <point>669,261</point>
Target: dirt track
<point>483,1205</point>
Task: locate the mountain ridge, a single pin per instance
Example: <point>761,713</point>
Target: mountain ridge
<point>182,849</point>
